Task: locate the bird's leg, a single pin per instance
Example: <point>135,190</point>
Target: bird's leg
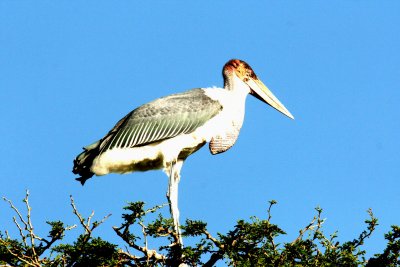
<point>172,196</point>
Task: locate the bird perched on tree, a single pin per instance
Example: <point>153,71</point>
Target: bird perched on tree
<point>163,133</point>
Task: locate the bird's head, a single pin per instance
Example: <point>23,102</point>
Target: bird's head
<point>238,70</point>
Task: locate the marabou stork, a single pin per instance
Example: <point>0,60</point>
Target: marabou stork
<point>163,133</point>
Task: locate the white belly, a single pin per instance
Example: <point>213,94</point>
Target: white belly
<point>149,157</point>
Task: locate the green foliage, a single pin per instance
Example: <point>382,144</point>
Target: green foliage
<point>87,252</point>
<point>391,255</point>
<point>7,247</point>
<point>250,243</point>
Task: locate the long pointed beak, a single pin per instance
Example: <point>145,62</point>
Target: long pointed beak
<point>261,91</point>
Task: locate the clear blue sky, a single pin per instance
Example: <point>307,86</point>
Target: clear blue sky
<point>70,70</point>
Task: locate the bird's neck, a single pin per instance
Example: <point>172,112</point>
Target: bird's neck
<point>237,86</point>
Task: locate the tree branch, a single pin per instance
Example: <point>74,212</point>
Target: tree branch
<point>148,253</point>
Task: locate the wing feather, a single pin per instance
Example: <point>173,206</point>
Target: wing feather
<point>143,133</point>
<point>122,138</point>
<point>135,136</point>
<point>161,119</point>
<point>157,130</point>
<point>187,125</point>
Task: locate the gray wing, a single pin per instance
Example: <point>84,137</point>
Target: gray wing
<point>161,119</point>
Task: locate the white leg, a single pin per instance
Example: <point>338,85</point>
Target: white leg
<point>172,195</point>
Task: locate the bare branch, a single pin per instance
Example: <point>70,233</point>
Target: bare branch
<point>16,210</point>
<point>21,232</point>
<point>33,258</point>
<point>128,255</point>
<point>90,218</point>
<point>149,254</point>
<point>271,203</point>
<point>29,226</point>
<point>310,226</point>
<point>372,223</point>
<point>96,223</point>
<point>7,234</point>
<point>81,220</point>
<point>155,208</point>
<point>70,227</point>
<point>144,233</point>
<point>213,239</point>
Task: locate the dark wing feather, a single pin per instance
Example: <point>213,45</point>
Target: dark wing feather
<point>161,119</point>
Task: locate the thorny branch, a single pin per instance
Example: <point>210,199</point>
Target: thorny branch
<point>28,227</point>
<point>249,240</point>
<point>81,220</point>
<point>213,239</point>
<point>147,252</point>
<point>124,233</point>
<point>21,232</point>
<point>372,223</point>
<point>309,227</point>
<point>270,236</point>
<point>89,227</point>
<point>30,253</point>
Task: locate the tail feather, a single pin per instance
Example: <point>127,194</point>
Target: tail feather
<point>82,180</point>
<point>83,162</point>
